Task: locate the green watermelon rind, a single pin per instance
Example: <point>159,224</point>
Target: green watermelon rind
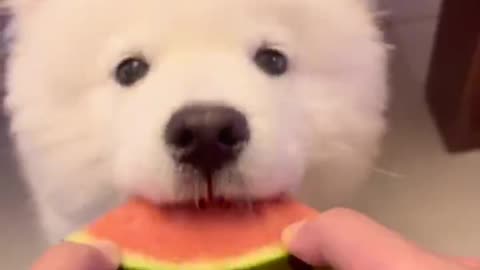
<point>273,257</point>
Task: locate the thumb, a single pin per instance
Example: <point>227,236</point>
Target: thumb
<point>68,256</point>
<point>348,240</point>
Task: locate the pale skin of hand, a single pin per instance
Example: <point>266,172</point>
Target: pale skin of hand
<point>341,238</point>
<point>68,256</point>
<point>347,240</point>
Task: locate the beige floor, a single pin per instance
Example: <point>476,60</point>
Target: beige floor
<point>431,196</point>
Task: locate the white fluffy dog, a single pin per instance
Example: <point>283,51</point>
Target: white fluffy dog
<point>178,100</point>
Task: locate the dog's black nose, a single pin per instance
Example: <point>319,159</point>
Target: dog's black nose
<point>207,137</point>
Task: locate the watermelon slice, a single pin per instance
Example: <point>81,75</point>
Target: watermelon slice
<point>163,238</point>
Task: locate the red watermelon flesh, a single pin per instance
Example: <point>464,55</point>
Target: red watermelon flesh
<point>184,238</point>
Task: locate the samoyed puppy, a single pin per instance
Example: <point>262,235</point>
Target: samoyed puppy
<point>181,101</point>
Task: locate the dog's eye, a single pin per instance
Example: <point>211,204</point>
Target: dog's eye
<point>271,61</point>
<point>131,70</point>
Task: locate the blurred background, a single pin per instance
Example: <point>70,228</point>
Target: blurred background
<point>423,187</point>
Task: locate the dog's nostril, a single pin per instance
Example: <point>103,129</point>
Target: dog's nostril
<point>207,137</point>
<point>228,137</point>
<point>184,139</point>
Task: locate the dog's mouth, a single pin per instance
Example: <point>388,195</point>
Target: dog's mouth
<point>211,197</point>
<point>222,203</point>
<point>225,189</point>
<point>207,203</point>
<point>200,189</point>
<point>210,189</point>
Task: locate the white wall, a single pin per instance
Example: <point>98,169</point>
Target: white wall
<point>412,26</point>
<point>405,10</point>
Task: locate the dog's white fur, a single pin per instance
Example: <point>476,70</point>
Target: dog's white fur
<point>85,142</point>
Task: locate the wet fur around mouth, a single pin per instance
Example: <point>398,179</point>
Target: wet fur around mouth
<point>195,187</point>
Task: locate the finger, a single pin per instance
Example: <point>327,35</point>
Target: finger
<point>348,240</point>
<point>468,262</point>
<point>68,256</point>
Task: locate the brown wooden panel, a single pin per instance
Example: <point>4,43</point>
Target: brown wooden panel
<point>474,85</point>
<point>453,85</point>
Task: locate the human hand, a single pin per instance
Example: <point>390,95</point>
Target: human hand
<point>347,240</point>
<point>68,256</point>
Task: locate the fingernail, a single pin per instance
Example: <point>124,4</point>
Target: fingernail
<point>290,232</point>
<point>111,251</point>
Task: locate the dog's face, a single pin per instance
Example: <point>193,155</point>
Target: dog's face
<point>178,100</point>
